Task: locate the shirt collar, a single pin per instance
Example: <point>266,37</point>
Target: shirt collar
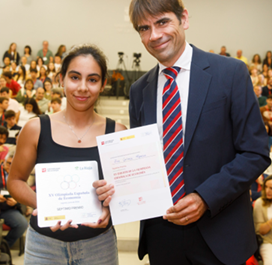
<point>184,61</point>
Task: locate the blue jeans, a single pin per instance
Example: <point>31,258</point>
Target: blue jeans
<point>99,250</point>
<point>17,222</point>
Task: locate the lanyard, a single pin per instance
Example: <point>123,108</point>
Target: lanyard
<point>3,177</point>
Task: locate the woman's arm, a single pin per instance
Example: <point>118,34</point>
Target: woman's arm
<point>23,163</point>
<point>265,227</point>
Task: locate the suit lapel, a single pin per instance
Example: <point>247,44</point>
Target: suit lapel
<point>150,97</point>
<point>198,89</point>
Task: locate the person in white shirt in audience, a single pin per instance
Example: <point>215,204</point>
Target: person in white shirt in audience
<point>28,111</point>
<point>57,63</point>
<point>24,63</point>
<point>27,54</point>
<point>43,103</point>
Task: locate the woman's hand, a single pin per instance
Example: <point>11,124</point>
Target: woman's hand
<point>11,202</point>
<point>58,225</point>
<point>2,198</point>
<point>102,221</point>
<point>104,191</point>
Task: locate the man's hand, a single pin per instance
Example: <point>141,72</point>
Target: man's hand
<point>11,202</point>
<point>2,198</point>
<point>188,210</point>
<point>104,191</point>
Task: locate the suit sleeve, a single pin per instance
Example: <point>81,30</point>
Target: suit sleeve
<point>250,141</point>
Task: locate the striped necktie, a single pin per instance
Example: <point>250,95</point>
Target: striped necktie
<point>173,134</point>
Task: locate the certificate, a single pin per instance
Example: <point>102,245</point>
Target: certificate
<point>65,192</point>
<point>133,162</point>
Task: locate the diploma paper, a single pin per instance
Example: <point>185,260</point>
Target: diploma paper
<point>65,192</point>
<point>132,160</point>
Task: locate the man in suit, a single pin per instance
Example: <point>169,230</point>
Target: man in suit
<point>224,141</point>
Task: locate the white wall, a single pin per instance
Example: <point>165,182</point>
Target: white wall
<point>238,24</point>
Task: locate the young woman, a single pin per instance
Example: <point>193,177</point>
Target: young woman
<point>29,110</point>
<point>47,85</point>
<point>33,65</point>
<point>40,63</point>
<point>256,62</point>
<point>67,136</point>
<point>27,54</point>
<point>20,78</point>
<point>43,74</point>
<point>61,51</point>
<point>262,214</point>
<point>268,59</point>
<point>12,54</point>
<point>26,92</point>
<point>51,72</point>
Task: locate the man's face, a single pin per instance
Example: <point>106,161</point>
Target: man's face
<point>239,53</point>
<point>7,61</point>
<point>3,139</point>
<point>33,75</point>
<point>2,82</point>
<point>39,93</point>
<point>4,94</point>
<point>269,102</point>
<point>223,50</point>
<point>163,36</point>
<point>24,60</point>
<point>4,104</point>
<point>57,59</point>
<point>45,45</point>
<point>7,164</point>
<point>257,91</point>
<point>10,121</point>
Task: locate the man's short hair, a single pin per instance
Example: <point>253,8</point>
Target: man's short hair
<point>33,70</point>
<point>4,131</point>
<point>7,74</point>
<point>4,89</point>
<point>57,100</point>
<point>57,91</point>
<point>140,8</point>
<point>9,114</point>
<point>3,99</point>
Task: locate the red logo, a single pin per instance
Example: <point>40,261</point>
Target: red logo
<point>43,169</point>
<point>102,143</point>
<point>140,199</point>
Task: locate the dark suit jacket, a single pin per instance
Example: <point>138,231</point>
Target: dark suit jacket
<point>226,148</point>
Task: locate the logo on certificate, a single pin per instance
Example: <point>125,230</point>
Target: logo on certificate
<point>43,170</point>
<point>140,201</point>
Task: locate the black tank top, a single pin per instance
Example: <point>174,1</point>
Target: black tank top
<point>49,152</point>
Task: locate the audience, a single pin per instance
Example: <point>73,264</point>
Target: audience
<point>13,128</point>
<point>3,137</point>
<point>47,85</point>
<point>12,54</point>
<point>36,82</point>
<point>56,105</point>
<point>3,107</point>
<point>43,103</point>
<point>13,67</point>
<point>241,57</point>
<point>27,91</point>
<point>24,63</point>
<point>268,60</point>
<point>223,51</point>
<point>57,63</point>
<point>258,93</point>
<point>12,103</point>
<point>262,215</point>
<point>43,74</point>
<point>20,78</point>
<point>11,84</point>
<point>27,54</point>
<point>58,93</point>
<point>28,111</point>
<point>7,62</point>
<point>2,82</point>
<point>51,72</point>
<point>61,51</point>
<point>267,90</point>
<point>40,63</point>
<point>45,53</point>
<point>254,76</point>
<point>33,66</point>
<point>257,63</point>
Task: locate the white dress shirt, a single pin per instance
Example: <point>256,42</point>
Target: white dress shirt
<point>182,80</point>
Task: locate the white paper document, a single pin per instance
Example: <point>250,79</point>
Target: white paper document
<point>133,162</point>
<point>65,192</point>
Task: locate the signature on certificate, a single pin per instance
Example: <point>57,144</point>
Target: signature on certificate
<point>128,158</point>
<point>124,203</point>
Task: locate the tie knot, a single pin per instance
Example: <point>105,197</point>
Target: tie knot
<point>171,72</point>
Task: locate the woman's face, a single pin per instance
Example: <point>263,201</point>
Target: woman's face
<point>13,47</point>
<point>42,71</point>
<point>269,54</point>
<point>33,64</point>
<point>29,85</point>
<point>40,62</point>
<point>13,66</point>
<point>268,189</point>
<point>29,107</point>
<point>265,68</point>
<point>20,71</point>
<point>256,59</point>
<point>47,86</point>
<point>26,50</point>
<point>63,48</point>
<point>83,83</point>
<point>51,66</point>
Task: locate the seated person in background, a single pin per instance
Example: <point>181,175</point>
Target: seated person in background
<point>36,82</point>
<point>256,62</point>
<point>14,72</point>
<point>223,51</point>
<point>3,107</point>
<point>2,82</point>
<point>47,85</point>
<point>43,74</point>
<point>27,54</point>
<point>268,59</point>
<point>55,105</point>
<point>7,64</point>
<point>33,65</point>
<point>40,64</point>
<point>43,103</point>
<point>12,127</point>
<point>266,110</point>
<point>254,76</point>
<point>57,60</point>
<point>267,90</point>
<point>20,78</point>
<point>3,137</point>
<point>11,84</point>
<point>58,93</point>
<point>12,103</point>
<point>241,57</point>
<point>10,209</point>
<point>12,53</point>
<point>27,91</point>
<point>258,93</point>
<point>45,53</point>
<point>51,72</point>
<point>262,214</point>
<point>28,111</point>
<point>24,63</point>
